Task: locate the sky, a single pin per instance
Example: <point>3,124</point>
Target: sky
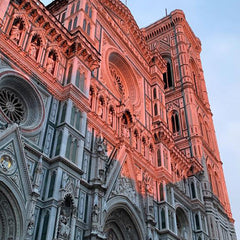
<point>216,23</point>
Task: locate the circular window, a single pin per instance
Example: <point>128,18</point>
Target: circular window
<point>20,102</point>
<point>12,106</point>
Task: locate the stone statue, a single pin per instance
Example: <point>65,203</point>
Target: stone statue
<point>64,226</point>
<point>16,32</point>
<point>110,118</point>
<point>33,49</point>
<point>30,228</point>
<point>100,110</point>
<point>50,64</point>
<point>101,146</point>
<point>38,175</point>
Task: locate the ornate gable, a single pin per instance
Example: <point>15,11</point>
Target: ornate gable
<point>13,164</point>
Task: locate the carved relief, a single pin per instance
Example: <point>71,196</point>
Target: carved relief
<point>7,163</point>
<point>124,186</point>
<point>16,31</point>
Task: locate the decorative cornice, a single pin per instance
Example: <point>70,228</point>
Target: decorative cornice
<point>166,24</point>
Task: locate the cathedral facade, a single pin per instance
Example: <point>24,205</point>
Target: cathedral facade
<point>106,130</point>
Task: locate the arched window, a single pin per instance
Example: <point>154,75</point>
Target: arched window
<point>154,93</point>
<point>72,120</point>
<point>175,122</point>
<point>86,8</point>
<point>64,108</point>
<point>84,25</point>
<point>78,6</point>
<point>90,12</point>
<point>77,82</point>
<point>155,109</point>
<point>68,147</point>
<point>159,162</point>
<point>88,29</point>
<point>74,152</point>
<point>58,146</point>
<point>45,226</point>
<point>72,9</point>
<point>82,82</point>
<point>197,221</point>
<point>75,22</point>
<point>167,77</point>
<point>193,190</point>
<point>171,220</point>
<point>163,219</point>
<point>70,25</point>
<point>78,120</point>
<point>144,146</point>
<point>51,185</point>
<point>161,192</point>
<point>63,17</point>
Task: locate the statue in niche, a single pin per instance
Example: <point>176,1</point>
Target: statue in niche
<point>30,228</point>
<point>100,109</point>
<point>95,213</point>
<point>38,175</point>
<point>34,47</point>
<point>64,226</point>
<point>16,32</point>
<point>66,212</point>
<point>110,117</point>
<point>101,146</point>
<point>50,63</point>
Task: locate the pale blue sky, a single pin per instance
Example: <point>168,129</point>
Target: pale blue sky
<point>216,23</point>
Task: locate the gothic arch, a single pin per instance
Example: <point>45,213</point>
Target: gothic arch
<point>38,41</point>
<point>24,25</point>
<point>168,76</point>
<point>122,220</point>
<point>12,211</point>
<point>183,225</point>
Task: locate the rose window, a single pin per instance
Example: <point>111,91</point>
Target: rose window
<point>11,105</point>
<point>117,80</point>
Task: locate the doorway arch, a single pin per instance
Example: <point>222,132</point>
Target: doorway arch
<point>11,217</point>
<point>183,229</point>
<point>121,226</point>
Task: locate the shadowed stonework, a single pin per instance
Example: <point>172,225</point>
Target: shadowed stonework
<point>106,130</point>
